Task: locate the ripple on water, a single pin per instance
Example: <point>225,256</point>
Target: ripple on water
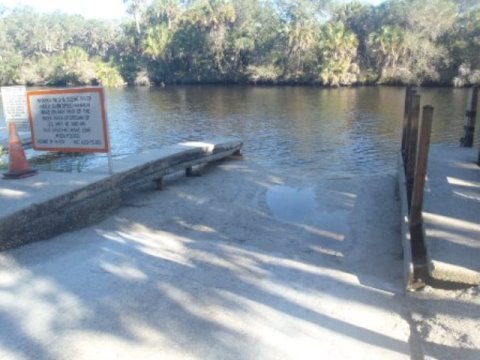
<point>323,132</point>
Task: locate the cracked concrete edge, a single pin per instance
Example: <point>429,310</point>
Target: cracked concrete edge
<point>405,227</point>
<point>80,207</point>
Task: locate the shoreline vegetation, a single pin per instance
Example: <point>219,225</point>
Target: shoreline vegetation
<point>264,42</point>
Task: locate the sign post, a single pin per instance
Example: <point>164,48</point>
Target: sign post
<point>69,120</point>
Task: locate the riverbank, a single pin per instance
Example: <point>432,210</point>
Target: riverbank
<point>256,83</point>
<point>240,263</point>
<point>341,43</point>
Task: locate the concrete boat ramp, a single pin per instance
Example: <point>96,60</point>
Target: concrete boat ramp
<point>50,203</point>
<point>446,249</point>
<point>213,267</point>
<point>452,215</point>
<point>246,263</point>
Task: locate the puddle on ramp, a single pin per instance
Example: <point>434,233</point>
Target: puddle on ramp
<point>290,204</point>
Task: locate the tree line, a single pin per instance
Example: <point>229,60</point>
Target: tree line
<point>325,42</point>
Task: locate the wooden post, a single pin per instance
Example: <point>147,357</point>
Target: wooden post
<point>160,183</point>
<point>409,93</point>
<point>478,160</point>
<point>408,120</point>
<point>470,117</point>
<point>419,252</point>
<point>412,145</point>
<point>190,172</point>
<point>421,166</point>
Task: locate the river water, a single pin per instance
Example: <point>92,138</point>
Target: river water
<point>333,132</point>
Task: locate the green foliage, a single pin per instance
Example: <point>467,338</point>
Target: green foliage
<point>107,74</point>
<point>9,67</point>
<point>330,42</point>
<point>407,46</point>
<point>268,74</point>
<point>338,53</point>
<point>72,68</point>
<point>56,49</point>
<point>388,51</point>
<point>10,60</point>
<point>156,42</point>
<point>464,43</point>
<point>37,71</point>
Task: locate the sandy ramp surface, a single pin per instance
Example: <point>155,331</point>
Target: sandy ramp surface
<point>239,263</point>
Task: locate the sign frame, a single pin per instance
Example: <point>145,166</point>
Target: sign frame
<point>103,113</point>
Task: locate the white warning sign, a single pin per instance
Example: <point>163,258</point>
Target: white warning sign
<point>68,120</point>
<point>14,104</point>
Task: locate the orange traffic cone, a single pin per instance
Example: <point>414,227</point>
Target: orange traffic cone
<point>17,162</point>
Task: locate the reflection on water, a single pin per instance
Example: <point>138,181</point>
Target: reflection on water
<point>332,132</point>
<point>289,204</point>
<point>69,162</point>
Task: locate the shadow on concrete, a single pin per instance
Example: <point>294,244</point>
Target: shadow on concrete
<point>451,216</point>
<point>205,270</point>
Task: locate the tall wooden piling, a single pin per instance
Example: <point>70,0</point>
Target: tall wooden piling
<point>409,93</point>
<point>421,166</point>
<point>470,118</point>
<point>419,252</point>
<point>411,150</point>
<point>478,160</point>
